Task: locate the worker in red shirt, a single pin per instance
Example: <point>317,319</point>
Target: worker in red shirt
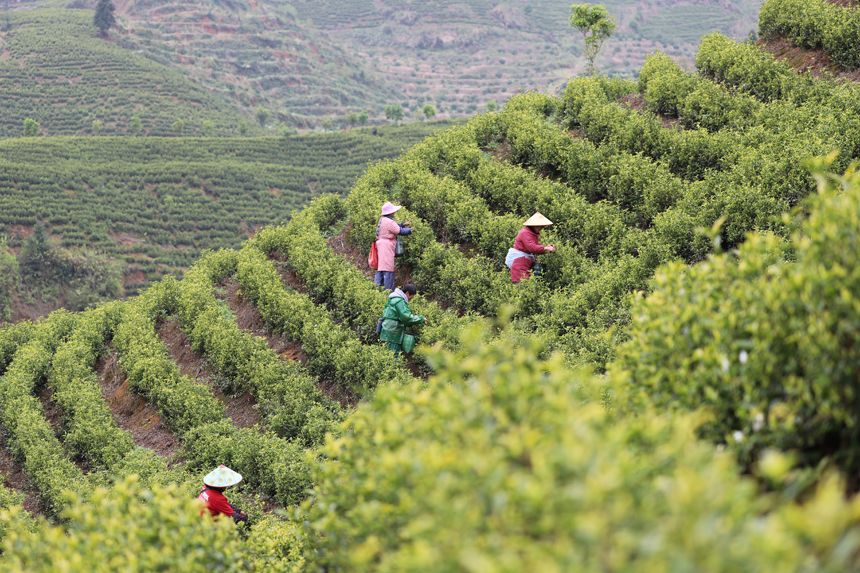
<point>521,258</point>
<point>212,494</point>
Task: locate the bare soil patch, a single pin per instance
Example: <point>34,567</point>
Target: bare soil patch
<point>248,319</point>
<point>340,245</point>
<point>15,478</point>
<point>815,62</point>
<point>240,408</point>
<point>131,411</point>
<point>53,412</point>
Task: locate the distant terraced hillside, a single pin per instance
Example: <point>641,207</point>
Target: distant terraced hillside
<point>465,53</point>
<point>153,205</point>
<point>54,69</point>
<point>256,53</point>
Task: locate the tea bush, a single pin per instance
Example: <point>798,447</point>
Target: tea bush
<point>762,338</point>
<point>505,462</point>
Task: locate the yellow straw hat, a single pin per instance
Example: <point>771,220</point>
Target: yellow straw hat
<point>537,220</point>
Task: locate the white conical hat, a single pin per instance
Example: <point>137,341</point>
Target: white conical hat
<point>222,476</point>
<point>537,220</point>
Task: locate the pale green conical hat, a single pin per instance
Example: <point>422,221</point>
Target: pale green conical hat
<point>222,476</point>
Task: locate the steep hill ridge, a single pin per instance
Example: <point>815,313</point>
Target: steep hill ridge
<point>256,53</point>
<point>54,69</point>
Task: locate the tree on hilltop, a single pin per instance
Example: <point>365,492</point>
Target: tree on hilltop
<point>31,127</point>
<point>394,113</point>
<point>104,18</point>
<point>596,25</point>
<point>429,111</point>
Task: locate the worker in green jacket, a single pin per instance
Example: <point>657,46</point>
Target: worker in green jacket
<point>396,317</point>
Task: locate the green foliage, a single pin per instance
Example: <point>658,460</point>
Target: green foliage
<point>31,127</point>
<point>153,205</point>
<point>761,338</point>
<point>333,351</point>
<point>505,462</point>
<point>58,71</point>
<point>30,436</point>
<point>394,113</point>
<point>268,462</point>
<point>8,279</point>
<point>128,528</point>
<point>595,25</point>
<point>104,19</point>
<point>291,404</point>
<point>815,24</point>
<point>429,111</point>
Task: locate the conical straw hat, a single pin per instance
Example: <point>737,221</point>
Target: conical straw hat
<point>222,476</point>
<point>389,208</point>
<point>537,220</point>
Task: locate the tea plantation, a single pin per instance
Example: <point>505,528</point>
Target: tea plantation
<point>675,392</point>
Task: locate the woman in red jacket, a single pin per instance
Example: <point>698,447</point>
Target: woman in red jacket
<point>521,258</point>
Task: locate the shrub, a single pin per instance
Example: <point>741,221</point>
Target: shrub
<point>552,481</point>
<point>127,528</point>
<point>761,339</point>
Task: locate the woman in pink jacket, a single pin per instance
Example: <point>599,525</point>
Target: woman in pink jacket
<point>521,258</point>
<point>386,242</point>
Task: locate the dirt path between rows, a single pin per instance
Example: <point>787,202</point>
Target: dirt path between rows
<point>15,478</point>
<point>248,319</point>
<point>53,412</point>
<point>240,408</point>
<point>131,410</point>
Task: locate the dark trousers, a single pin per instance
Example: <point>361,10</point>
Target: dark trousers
<point>384,278</point>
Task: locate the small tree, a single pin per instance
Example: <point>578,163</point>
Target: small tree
<point>429,111</point>
<point>179,127</point>
<point>394,113</point>
<point>492,105</point>
<point>208,127</point>
<point>363,118</point>
<point>98,125</point>
<point>31,127</point>
<point>104,18</point>
<point>136,125</point>
<point>263,116</point>
<point>595,24</point>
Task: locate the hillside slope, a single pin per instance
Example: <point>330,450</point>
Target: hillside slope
<point>152,205</point>
<point>256,53</point>
<point>464,54</point>
<point>485,451</point>
<point>54,69</point>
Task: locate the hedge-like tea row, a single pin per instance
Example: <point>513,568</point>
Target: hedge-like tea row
<point>270,464</point>
<point>762,339</point>
<point>30,436</point>
<point>505,462</point>
<point>701,102</point>
<point>815,24</point>
<point>290,402</point>
<point>748,69</point>
<point>469,283</point>
<point>687,153</point>
<point>89,430</point>
<point>640,186</point>
<point>334,352</point>
<point>11,337</point>
<point>332,280</point>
